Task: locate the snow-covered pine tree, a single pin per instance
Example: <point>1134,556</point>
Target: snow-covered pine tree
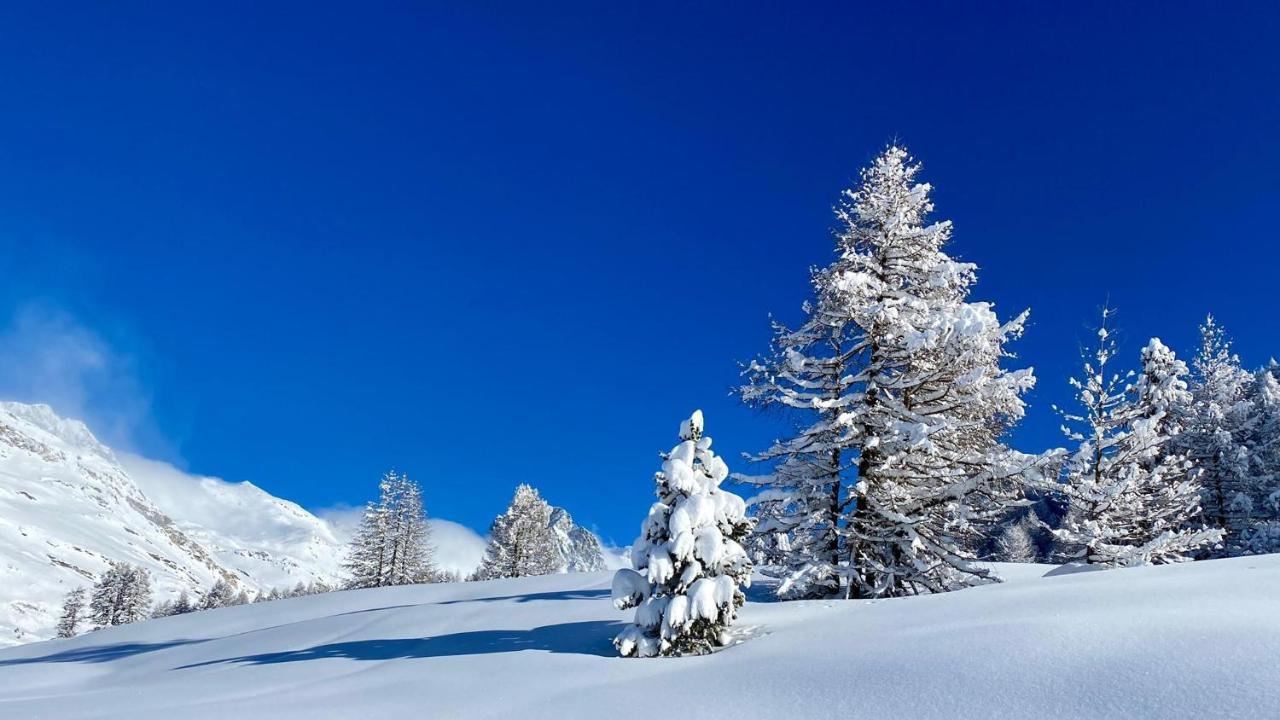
<point>1016,545</point>
<point>183,604</point>
<point>73,612</point>
<point>393,543</point>
<point>520,540</point>
<point>1263,532</point>
<point>411,557</point>
<point>122,595</point>
<point>689,563</point>
<point>808,375</point>
<point>220,595</point>
<point>1216,432</point>
<point>1131,499</point>
<point>929,402</point>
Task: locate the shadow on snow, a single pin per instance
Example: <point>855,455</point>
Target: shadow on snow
<point>532,597</point>
<point>100,653</point>
<point>580,638</point>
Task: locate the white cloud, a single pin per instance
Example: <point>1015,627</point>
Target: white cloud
<point>47,356</point>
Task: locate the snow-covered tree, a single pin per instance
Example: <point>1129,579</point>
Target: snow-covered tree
<point>689,564</point>
<point>930,401</point>
<point>520,540</point>
<point>808,376</point>
<point>393,543</point>
<point>1216,431</point>
<point>220,595</point>
<point>1131,498</point>
<point>73,612</point>
<point>1015,544</point>
<point>122,595</point>
<point>896,473</point>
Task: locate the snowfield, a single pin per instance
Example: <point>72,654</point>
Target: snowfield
<point>1193,640</point>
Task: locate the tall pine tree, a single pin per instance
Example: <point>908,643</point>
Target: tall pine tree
<point>930,401</point>
<point>1131,499</point>
<point>1217,428</point>
<point>520,540</point>
<point>393,546</point>
<point>73,612</point>
<point>121,595</point>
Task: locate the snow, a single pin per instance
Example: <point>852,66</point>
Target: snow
<point>1187,640</point>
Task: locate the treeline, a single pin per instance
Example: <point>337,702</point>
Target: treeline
<point>894,476</point>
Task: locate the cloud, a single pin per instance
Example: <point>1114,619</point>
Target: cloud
<point>47,356</point>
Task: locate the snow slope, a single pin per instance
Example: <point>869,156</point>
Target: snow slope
<point>69,506</point>
<point>266,541</point>
<point>1195,640</point>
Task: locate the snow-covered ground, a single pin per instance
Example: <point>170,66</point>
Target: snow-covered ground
<point>1195,640</point>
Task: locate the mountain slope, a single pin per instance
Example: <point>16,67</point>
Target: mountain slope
<point>1194,640</point>
<point>68,507</point>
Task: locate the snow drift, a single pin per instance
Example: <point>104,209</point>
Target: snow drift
<point>1191,640</point>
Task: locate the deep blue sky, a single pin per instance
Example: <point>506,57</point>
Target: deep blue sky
<point>497,245</point>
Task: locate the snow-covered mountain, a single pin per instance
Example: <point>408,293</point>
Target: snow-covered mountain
<point>1194,640</point>
<point>579,547</point>
<point>69,506</point>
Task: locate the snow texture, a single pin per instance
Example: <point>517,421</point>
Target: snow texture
<point>1185,640</point>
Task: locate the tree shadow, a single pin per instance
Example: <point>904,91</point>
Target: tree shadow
<point>531,597</point>
<point>580,638</point>
<point>99,653</point>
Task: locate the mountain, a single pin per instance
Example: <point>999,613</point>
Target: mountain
<point>579,548</point>
<point>69,506</point>
<point>1193,640</point>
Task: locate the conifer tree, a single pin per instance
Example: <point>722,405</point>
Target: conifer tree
<point>689,564</point>
<point>1131,499</point>
<point>1016,545</point>
<point>930,401</point>
<point>393,543</point>
<point>520,540</point>
<point>1217,428</point>
<point>220,595</point>
<point>808,375</point>
<point>73,612</point>
<point>122,595</point>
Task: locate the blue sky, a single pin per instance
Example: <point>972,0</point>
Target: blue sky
<point>300,245</point>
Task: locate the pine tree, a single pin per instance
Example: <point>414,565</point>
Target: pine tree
<point>520,540</point>
<point>411,557</point>
<point>1217,427</point>
<point>122,595</point>
<point>1131,499</point>
<point>1016,545</point>
<point>1263,532</point>
<point>183,605</point>
<point>393,543</point>
<point>73,612</point>
<point>930,401</point>
<point>689,564</point>
<point>808,375</point>
<point>220,595</point>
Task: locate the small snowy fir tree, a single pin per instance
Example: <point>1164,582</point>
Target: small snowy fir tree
<point>73,612</point>
<point>122,595</point>
<point>393,543</point>
<point>1216,432</point>
<point>930,401</point>
<point>1131,499</point>
<point>520,540</point>
<point>689,562</point>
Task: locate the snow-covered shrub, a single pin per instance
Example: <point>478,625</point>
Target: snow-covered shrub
<point>688,562</point>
